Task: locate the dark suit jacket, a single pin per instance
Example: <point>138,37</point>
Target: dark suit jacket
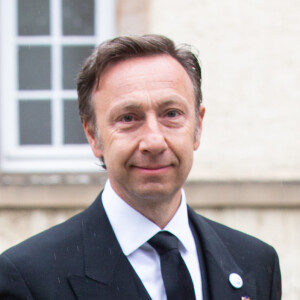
<point>81,259</point>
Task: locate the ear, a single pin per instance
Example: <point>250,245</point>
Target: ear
<point>199,125</point>
<point>93,139</point>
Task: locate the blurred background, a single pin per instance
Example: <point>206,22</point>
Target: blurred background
<point>246,173</point>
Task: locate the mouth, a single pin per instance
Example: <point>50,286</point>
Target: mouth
<point>152,169</point>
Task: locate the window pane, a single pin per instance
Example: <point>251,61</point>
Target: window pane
<point>34,68</point>
<point>78,17</point>
<point>73,130</point>
<point>33,17</point>
<point>73,57</point>
<point>35,122</point>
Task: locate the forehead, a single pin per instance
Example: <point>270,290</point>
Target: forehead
<point>148,70</point>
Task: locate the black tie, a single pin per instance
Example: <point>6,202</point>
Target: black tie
<point>176,277</point>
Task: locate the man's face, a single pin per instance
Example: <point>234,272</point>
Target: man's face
<point>145,114</point>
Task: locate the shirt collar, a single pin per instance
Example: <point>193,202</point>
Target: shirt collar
<point>127,222</point>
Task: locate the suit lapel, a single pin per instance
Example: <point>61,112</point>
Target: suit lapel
<point>220,264</point>
<point>109,274</point>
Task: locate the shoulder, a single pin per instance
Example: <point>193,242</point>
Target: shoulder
<point>46,259</point>
<point>232,249</point>
<point>242,245</point>
<point>52,239</point>
<point>59,237</point>
<point>44,256</point>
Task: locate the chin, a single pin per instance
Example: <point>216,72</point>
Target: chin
<point>155,194</point>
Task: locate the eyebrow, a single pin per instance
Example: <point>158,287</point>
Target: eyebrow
<point>124,108</point>
<point>171,102</point>
<point>131,106</point>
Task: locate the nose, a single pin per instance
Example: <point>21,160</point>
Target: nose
<point>152,138</point>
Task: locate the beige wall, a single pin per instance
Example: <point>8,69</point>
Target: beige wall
<point>250,54</point>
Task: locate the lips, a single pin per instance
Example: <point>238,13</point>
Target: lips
<point>151,170</point>
<point>151,167</point>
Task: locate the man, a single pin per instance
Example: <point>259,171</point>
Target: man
<point>140,104</point>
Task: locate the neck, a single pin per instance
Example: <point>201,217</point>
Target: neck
<point>159,209</point>
<point>160,213</point>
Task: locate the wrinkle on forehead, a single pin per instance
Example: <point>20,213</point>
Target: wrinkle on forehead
<point>143,67</point>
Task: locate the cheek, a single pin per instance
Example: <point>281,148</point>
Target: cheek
<point>186,149</point>
<point>186,135</point>
<point>118,149</point>
<point>183,147</point>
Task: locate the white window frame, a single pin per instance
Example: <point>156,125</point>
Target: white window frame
<point>56,157</point>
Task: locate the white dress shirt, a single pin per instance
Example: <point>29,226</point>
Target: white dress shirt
<point>133,230</point>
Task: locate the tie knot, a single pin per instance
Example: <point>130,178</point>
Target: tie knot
<point>163,242</point>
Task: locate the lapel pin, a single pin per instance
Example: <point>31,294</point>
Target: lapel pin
<point>236,281</point>
<point>245,298</point>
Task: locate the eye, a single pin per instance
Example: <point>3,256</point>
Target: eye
<point>127,118</point>
<point>172,113</point>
